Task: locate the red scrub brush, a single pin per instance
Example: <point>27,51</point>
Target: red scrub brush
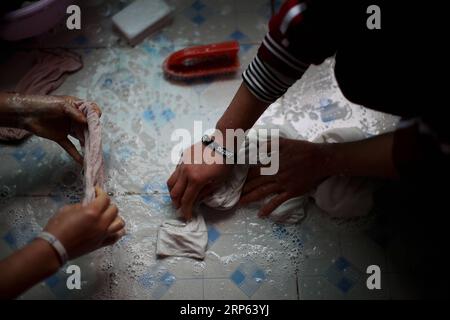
<point>203,61</point>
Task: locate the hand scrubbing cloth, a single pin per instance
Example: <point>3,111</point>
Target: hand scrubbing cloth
<point>189,239</point>
<point>177,238</point>
<point>49,72</point>
<point>338,196</point>
<point>228,195</point>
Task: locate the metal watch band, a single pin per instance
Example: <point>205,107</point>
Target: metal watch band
<point>209,142</point>
<point>218,148</point>
<point>56,244</point>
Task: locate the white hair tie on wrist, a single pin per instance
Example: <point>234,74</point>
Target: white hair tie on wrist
<point>56,244</point>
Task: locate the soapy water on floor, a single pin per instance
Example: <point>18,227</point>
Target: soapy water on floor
<point>137,124</point>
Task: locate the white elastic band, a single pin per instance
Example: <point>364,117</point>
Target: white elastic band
<point>290,15</point>
<point>56,245</point>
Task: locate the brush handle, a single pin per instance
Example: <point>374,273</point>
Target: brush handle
<point>229,48</point>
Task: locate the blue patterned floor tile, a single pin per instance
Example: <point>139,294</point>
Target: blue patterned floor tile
<point>343,274</point>
<point>248,277</point>
<point>157,281</point>
<point>213,235</point>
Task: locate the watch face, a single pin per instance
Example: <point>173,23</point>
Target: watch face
<point>206,139</point>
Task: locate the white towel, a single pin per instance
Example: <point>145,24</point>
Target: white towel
<point>179,238</point>
<point>338,196</point>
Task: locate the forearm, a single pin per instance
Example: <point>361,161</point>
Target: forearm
<point>371,157</point>
<point>11,112</point>
<point>242,113</point>
<point>26,267</point>
<point>15,108</point>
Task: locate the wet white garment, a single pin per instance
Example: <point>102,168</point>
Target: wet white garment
<point>179,238</point>
<point>338,196</point>
<point>228,195</point>
<point>291,211</point>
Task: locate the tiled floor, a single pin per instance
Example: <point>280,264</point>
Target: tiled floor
<point>247,258</point>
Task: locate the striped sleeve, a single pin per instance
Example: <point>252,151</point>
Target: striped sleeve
<point>264,82</point>
<point>285,53</point>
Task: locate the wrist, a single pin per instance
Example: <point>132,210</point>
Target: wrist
<point>344,158</point>
<point>47,253</point>
<point>328,155</point>
<point>220,135</point>
<point>229,138</point>
<point>219,150</point>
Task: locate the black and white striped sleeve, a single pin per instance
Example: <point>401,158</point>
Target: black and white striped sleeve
<point>266,83</point>
<point>293,43</point>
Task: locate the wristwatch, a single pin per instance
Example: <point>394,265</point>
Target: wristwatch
<point>210,143</point>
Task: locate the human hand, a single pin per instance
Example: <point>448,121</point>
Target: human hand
<point>196,177</point>
<point>54,118</point>
<point>302,166</point>
<point>82,229</point>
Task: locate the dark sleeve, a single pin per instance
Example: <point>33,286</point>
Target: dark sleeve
<point>421,149</point>
<point>300,34</point>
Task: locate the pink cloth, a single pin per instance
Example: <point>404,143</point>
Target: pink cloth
<point>49,72</point>
<point>93,152</point>
<point>13,134</point>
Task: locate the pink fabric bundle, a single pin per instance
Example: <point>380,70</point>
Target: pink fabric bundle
<point>49,72</point>
<point>93,152</point>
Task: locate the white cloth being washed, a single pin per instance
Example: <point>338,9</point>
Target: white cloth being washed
<point>338,196</point>
<point>341,196</point>
<point>183,239</point>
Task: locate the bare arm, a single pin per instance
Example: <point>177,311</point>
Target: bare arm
<point>27,266</point>
<point>18,110</point>
<point>304,165</point>
<point>371,157</point>
<point>80,229</point>
<point>191,181</point>
<point>243,111</point>
<point>50,117</point>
